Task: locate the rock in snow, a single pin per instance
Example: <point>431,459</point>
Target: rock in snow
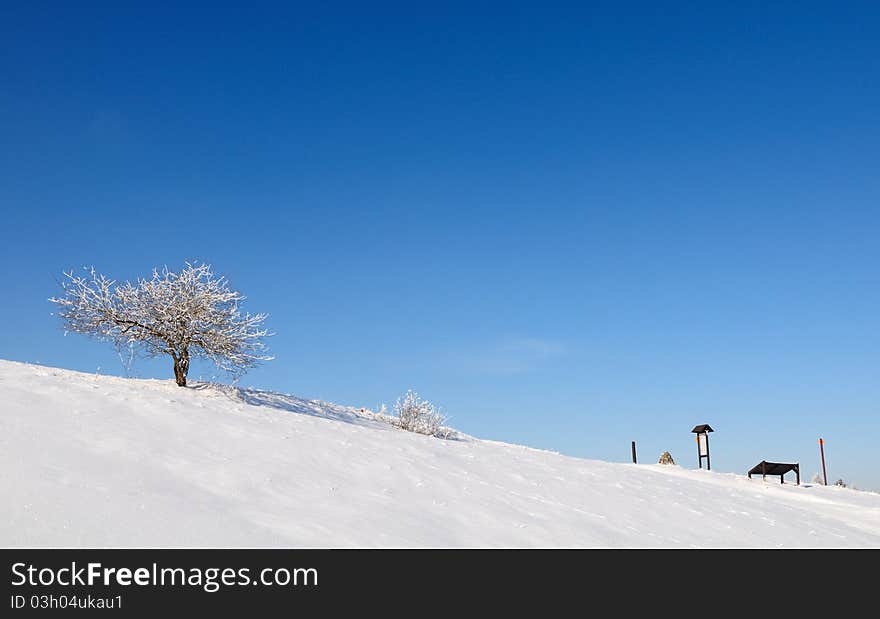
<point>101,461</point>
<point>666,458</point>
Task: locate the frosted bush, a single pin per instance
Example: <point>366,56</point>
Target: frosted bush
<point>417,415</point>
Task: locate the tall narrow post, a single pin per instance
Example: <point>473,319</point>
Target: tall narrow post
<point>708,461</point>
<point>634,452</point>
<point>822,451</point>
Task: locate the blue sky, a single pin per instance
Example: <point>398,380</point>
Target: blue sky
<point>570,227</point>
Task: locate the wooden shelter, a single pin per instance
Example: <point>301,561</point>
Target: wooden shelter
<point>776,468</point>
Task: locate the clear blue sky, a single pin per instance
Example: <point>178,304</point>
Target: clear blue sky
<point>571,227</point>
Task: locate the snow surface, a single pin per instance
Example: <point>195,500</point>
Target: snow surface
<point>98,461</point>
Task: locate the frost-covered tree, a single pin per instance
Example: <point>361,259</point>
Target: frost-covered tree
<point>190,314</point>
<point>418,415</point>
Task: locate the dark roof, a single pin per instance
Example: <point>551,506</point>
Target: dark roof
<point>774,468</point>
<point>703,427</point>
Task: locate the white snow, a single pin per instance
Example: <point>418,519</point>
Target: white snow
<point>97,461</point>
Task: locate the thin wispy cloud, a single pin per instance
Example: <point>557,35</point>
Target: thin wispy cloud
<point>515,356</point>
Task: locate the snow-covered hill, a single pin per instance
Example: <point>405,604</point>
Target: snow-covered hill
<point>90,460</point>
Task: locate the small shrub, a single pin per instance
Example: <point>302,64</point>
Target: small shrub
<point>417,415</point>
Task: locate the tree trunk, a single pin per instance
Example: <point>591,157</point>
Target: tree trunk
<point>181,367</point>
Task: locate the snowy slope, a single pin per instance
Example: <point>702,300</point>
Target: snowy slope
<point>91,460</point>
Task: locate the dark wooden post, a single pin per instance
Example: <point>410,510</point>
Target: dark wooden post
<point>797,471</point>
<point>634,452</point>
<point>708,461</point>
<point>763,470</point>
<point>822,449</point>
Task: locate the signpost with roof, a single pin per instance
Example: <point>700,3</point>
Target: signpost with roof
<point>702,432</point>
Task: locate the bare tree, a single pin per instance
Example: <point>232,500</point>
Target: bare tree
<point>190,314</point>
